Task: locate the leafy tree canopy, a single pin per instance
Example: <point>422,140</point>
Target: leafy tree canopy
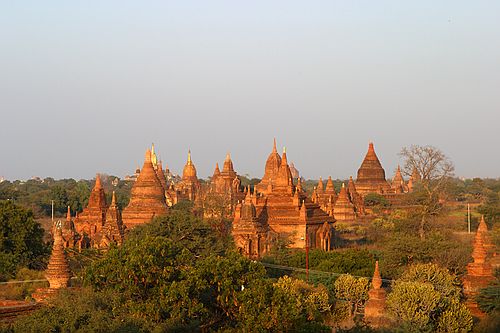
<point>21,240</point>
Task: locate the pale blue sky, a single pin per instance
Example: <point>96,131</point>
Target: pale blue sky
<point>86,86</point>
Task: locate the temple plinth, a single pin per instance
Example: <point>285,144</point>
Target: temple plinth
<point>147,197</point>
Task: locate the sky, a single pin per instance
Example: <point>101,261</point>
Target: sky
<point>87,86</point>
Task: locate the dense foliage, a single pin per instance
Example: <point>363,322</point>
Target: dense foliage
<point>397,242</point>
<point>427,299</point>
<point>177,273</point>
<point>21,240</point>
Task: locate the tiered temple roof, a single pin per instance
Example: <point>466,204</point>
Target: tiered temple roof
<point>147,198</point>
<point>371,175</point>
<point>356,199</point>
<point>343,210</point>
<point>273,164</point>
<point>92,218</point>
<point>398,182</point>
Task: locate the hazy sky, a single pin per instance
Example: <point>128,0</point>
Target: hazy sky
<point>86,86</point>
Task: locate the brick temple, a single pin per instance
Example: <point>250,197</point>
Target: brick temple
<point>277,208</point>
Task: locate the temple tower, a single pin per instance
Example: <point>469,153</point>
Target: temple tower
<point>371,175</point>
<point>479,275</point>
<point>398,182</point>
<point>343,210</point>
<point>113,230</point>
<point>356,199</point>
<point>375,312</point>
<point>147,198</point>
<point>273,164</point>
<point>92,218</point>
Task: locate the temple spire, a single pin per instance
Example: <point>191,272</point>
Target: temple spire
<point>283,157</point>
<point>189,157</point>
<point>376,280</point>
<point>274,146</point>
<point>217,170</point>
<point>113,199</point>
<point>68,214</point>
<point>97,181</point>
<point>147,156</point>
<point>58,272</point>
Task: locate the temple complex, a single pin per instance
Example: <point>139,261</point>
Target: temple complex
<point>375,311</point>
<point>282,210</point>
<point>91,220</point>
<point>58,273</point>
<point>147,198</point>
<point>479,274</point>
<point>371,175</point>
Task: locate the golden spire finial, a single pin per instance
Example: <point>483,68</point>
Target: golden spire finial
<point>154,159</point>
<point>189,156</point>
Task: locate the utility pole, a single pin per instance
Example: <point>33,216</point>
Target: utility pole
<point>307,256</point>
<point>468,217</point>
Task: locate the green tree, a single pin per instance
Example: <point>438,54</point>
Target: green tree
<point>376,200</point>
<point>353,290</point>
<point>284,306</point>
<point>21,240</point>
<point>427,298</point>
<point>177,272</point>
